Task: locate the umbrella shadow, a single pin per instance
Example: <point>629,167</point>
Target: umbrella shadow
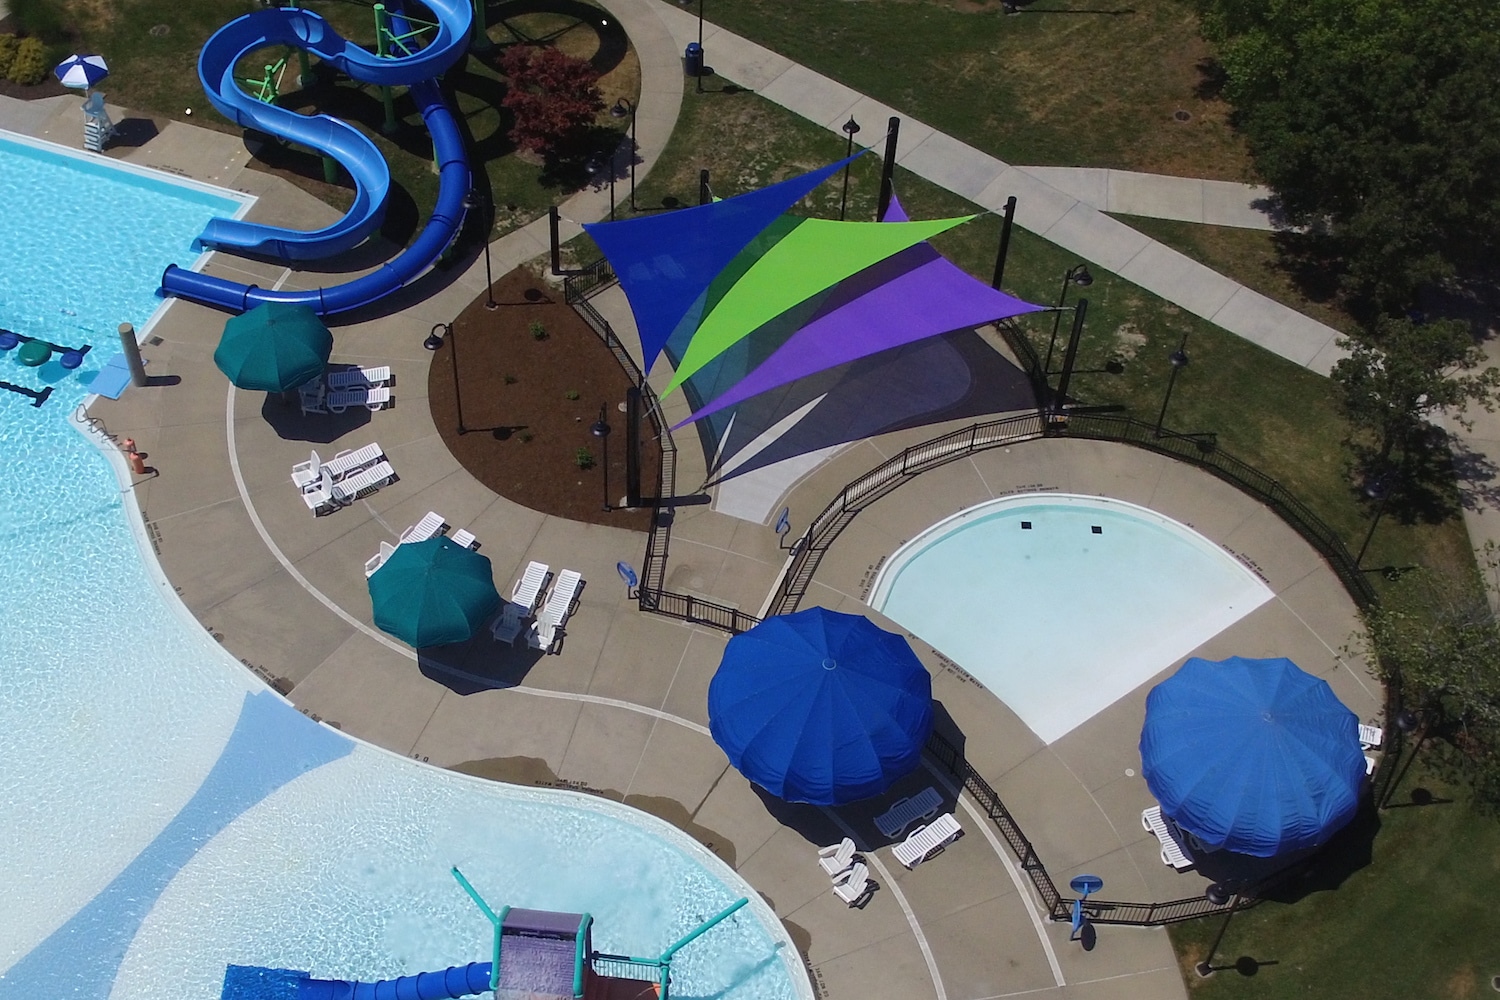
<point>1322,870</point>
<point>480,664</point>
<point>284,415</point>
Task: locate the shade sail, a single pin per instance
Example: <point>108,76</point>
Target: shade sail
<point>433,592</point>
<point>274,347</point>
<point>820,707</point>
<point>1252,756</point>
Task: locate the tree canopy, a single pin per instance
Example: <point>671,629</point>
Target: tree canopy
<point>1377,119</point>
<point>553,96</point>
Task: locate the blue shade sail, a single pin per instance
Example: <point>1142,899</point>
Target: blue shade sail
<point>821,707</point>
<point>1252,756</point>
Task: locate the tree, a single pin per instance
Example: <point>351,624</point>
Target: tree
<point>1391,383</point>
<point>1378,120</point>
<point>553,96</point>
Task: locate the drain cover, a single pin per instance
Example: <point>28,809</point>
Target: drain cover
<point>1182,116</point>
<point>160,30</point>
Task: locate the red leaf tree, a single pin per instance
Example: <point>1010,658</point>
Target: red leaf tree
<point>553,96</point>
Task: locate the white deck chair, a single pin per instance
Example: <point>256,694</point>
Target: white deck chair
<point>1172,852</point>
<point>311,395</point>
<point>508,625</point>
<point>319,496</point>
<point>528,588</point>
<point>559,607</point>
<point>305,474</point>
<point>373,398</point>
<point>1370,737</point>
<point>836,859</point>
<point>464,538</point>
<point>854,885</point>
<point>902,814</point>
<point>1369,765</point>
<point>925,841</point>
<point>363,483</point>
<point>378,560</point>
<point>359,378</point>
<point>432,523</point>
<point>353,460</point>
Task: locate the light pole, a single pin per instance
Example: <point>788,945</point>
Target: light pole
<point>1179,361</point>
<point>1218,895</point>
<point>1078,275</point>
<point>1379,490</point>
<point>622,108</point>
<point>441,332</point>
<point>600,430</point>
<point>701,54</point>
<point>1407,721</point>
<point>474,200</point>
<point>851,128</point>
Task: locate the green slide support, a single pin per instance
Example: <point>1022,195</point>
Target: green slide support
<point>581,955</point>
<point>496,919</point>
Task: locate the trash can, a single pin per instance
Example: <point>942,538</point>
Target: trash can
<point>692,59</point>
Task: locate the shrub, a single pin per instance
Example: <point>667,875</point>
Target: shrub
<point>508,379</point>
<point>8,45</point>
<point>538,331</point>
<point>553,96</point>
<point>584,458</point>
<point>46,20</point>
<point>30,63</point>
<point>571,394</point>
<point>525,437</point>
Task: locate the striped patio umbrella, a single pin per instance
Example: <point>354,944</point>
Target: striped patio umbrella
<point>82,72</point>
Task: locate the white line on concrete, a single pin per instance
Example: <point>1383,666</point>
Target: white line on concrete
<point>380,637</point>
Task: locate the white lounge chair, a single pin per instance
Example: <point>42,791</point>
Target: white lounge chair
<point>305,474</point>
<point>362,484</point>
<point>1370,737</point>
<point>528,588</point>
<point>311,395</point>
<point>353,460</point>
<point>1369,765</point>
<point>508,625</point>
<point>1172,852</point>
<point>375,398</point>
<point>559,607</point>
<point>359,378</point>
<point>854,885</point>
<point>432,523</point>
<point>464,538</point>
<point>319,495</point>
<point>378,560</point>
<point>925,841</point>
<point>902,814</point>
<point>835,860</point>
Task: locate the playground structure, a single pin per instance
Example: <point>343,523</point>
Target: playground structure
<point>399,61</point>
<point>537,954</point>
<point>32,352</point>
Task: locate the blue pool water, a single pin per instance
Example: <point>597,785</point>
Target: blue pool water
<point>165,815</point>
<point>1059,619</point>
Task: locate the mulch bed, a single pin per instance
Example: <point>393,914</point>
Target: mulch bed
<point>529,403</point>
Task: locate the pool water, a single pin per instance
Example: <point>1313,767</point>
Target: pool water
<point>1063,604</point>
<point>135,842</point>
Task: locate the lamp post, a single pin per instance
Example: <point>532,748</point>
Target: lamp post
<point>1218,895</point>
<point>600,430</point>
<point>1078,275</point>
<point>684,3</point>
<point>622,108</point>
<point>851,128</point>
<point>475,200</point>
<point>1407,721</point>
<point>1379,490</point>
<point>441,332</point>
<point>1179,361</point>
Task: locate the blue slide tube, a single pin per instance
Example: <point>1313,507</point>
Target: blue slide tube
<point>247,982</point>
<point>350,147</point>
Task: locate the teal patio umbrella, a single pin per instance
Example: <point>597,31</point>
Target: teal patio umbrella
<point>433,592</point>
<point>274,347</point>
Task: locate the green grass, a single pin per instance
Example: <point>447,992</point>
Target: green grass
<point>1414,923</point>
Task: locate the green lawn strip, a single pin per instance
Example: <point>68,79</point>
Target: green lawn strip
<point>1265,410</point>
<point>1412,923</point>
<point>1251,257</point>
<point>1072,89</point>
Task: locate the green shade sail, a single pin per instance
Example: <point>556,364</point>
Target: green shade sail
<point>812,256</point>
<point>274,347</point>
<point>434,592</point>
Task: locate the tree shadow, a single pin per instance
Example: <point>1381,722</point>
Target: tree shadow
<point>1312,261</point>
<point>285,417</point>
<point>1212,78</point>
<point>613,42</point>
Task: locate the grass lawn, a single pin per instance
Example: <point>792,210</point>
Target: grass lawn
<point>1265,410</point>
<point>1413,923</point>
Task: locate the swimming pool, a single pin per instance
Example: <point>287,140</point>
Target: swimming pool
<point>1062,604</point>
<point>167,815</point>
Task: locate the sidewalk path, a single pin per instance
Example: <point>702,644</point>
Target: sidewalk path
<point>1056,215</point>
<point>1159,196</point>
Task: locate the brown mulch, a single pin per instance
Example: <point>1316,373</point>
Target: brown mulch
<point>523,432</point>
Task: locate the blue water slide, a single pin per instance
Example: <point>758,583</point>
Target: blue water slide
<point>416,69</point>
<point>248,982</point>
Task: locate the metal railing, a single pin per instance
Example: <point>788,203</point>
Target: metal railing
<point>1100,911</point>
<point>585,281</point>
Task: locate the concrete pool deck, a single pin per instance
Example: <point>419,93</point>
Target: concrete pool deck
<point>620,711</point>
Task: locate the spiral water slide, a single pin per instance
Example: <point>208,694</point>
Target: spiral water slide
<point>416,70</point>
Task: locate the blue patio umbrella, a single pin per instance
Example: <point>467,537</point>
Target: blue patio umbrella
<point>1252,756</point>
<point>820,707</point>
<point>81,71</point>
<point>274,347</point>
<point>433,592</point>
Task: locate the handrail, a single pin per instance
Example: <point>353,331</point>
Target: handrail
<point>703,928</point>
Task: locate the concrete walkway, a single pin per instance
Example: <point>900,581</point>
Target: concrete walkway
<point>1158,196</point>
<point>1061,217</point>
